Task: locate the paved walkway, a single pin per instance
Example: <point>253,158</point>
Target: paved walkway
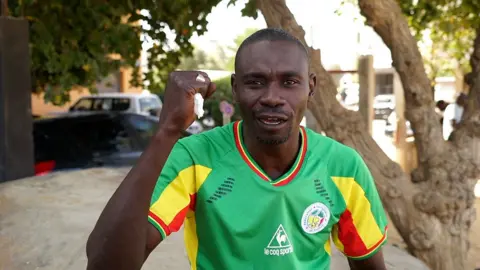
<point>45,221</point>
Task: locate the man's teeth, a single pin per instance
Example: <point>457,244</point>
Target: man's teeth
<point>271,121</point>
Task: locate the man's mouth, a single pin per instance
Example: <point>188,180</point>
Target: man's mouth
<point>272,120</point>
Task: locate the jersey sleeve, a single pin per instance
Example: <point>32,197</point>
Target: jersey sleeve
<point>175,191</point>
<point>362,228</point>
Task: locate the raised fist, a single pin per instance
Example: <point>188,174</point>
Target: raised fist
<point>178,107</point>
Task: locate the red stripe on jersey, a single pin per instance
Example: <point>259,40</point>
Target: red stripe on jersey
<point>348,235</point>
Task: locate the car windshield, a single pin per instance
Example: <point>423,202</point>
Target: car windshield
<point>149,103</point>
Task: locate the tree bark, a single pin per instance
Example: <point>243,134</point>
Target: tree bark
<point>446,172</point>
<point>472,113</point>
<point>433,208</point>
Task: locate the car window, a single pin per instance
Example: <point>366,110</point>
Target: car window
<point>144,127</point>
<point>84,104</point>
<point>148,103</point>
<point>102,104</point>
<point>76,142</point>
<point>120,104</point>
<point>104,135</point>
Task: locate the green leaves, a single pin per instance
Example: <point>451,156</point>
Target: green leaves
<point>80,42</point>
<point>223,93</point>
<point>450,25</point>
<point>250,10</point>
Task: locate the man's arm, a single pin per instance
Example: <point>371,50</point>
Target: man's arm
<point>153,239</point>
<point>122,237</point>
<point>375,262</point>
<point>362,228</point>
<point>125,233</point>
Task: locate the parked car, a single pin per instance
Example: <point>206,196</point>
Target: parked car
<point>83,140</point>
<point>143,103</point>
<point>391,125</point>
<point>140,103</point>
<point>383,106</point>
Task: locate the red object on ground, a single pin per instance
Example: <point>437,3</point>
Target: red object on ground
<point>44,167</point>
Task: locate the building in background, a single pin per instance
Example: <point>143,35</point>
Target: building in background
<point>117,82</point>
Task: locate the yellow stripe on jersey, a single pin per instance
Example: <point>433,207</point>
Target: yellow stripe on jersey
<point>357,231</point>
<point>328,247</point>
<point>176,197</point>
<point>191,240</point>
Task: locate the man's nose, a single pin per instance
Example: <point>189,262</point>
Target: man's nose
<point>271,96</point>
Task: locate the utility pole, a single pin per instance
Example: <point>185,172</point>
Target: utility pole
<point>4,8</point>
<point>16,139</point>
<point>366,77</point>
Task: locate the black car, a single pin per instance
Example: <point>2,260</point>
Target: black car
<point>84,140</point>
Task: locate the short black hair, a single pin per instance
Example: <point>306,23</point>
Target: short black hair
<point>270,34</point>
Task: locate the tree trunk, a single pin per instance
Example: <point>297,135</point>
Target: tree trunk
<point>472,115</point>
<point>447,171</point>
<point>432,209</point>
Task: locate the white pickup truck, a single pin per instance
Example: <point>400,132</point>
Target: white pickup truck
<point>138,103</point>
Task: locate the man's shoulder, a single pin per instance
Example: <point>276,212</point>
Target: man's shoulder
<point>223,133</point>
<point>325,145</point>
<point>450,107</point>
<point>214,142</point>
<point>338,155</point>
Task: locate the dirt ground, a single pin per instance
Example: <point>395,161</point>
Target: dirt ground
<point>45,221</point>
<point>473,256</point>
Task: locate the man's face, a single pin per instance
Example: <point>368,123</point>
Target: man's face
<point>461,99</point>
<point>272,86</point>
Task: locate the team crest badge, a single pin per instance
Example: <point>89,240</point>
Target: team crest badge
<point>315,218</point>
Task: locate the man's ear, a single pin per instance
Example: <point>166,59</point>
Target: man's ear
<point>233,83</point>
<point>312,83</point>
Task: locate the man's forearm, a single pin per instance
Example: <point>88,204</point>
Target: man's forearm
<point>119,238</point>
<point>376,262</point>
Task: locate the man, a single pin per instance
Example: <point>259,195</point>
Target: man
<point>453,115</point>
<point>262,193</point>
<point>440,107</point>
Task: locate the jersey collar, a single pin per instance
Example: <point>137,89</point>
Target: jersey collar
<point>284,179</point>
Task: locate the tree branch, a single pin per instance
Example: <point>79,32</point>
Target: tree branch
<point>388,21</point>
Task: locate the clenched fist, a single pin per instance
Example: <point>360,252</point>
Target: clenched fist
<point>178,108</point>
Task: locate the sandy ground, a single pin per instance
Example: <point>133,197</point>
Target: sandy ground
<point>45,222</point>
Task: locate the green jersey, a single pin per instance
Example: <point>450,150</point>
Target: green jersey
<point>236,217</point>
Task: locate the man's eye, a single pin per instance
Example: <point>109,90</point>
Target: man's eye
<point>290,82</point>
<point>253,82</point>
